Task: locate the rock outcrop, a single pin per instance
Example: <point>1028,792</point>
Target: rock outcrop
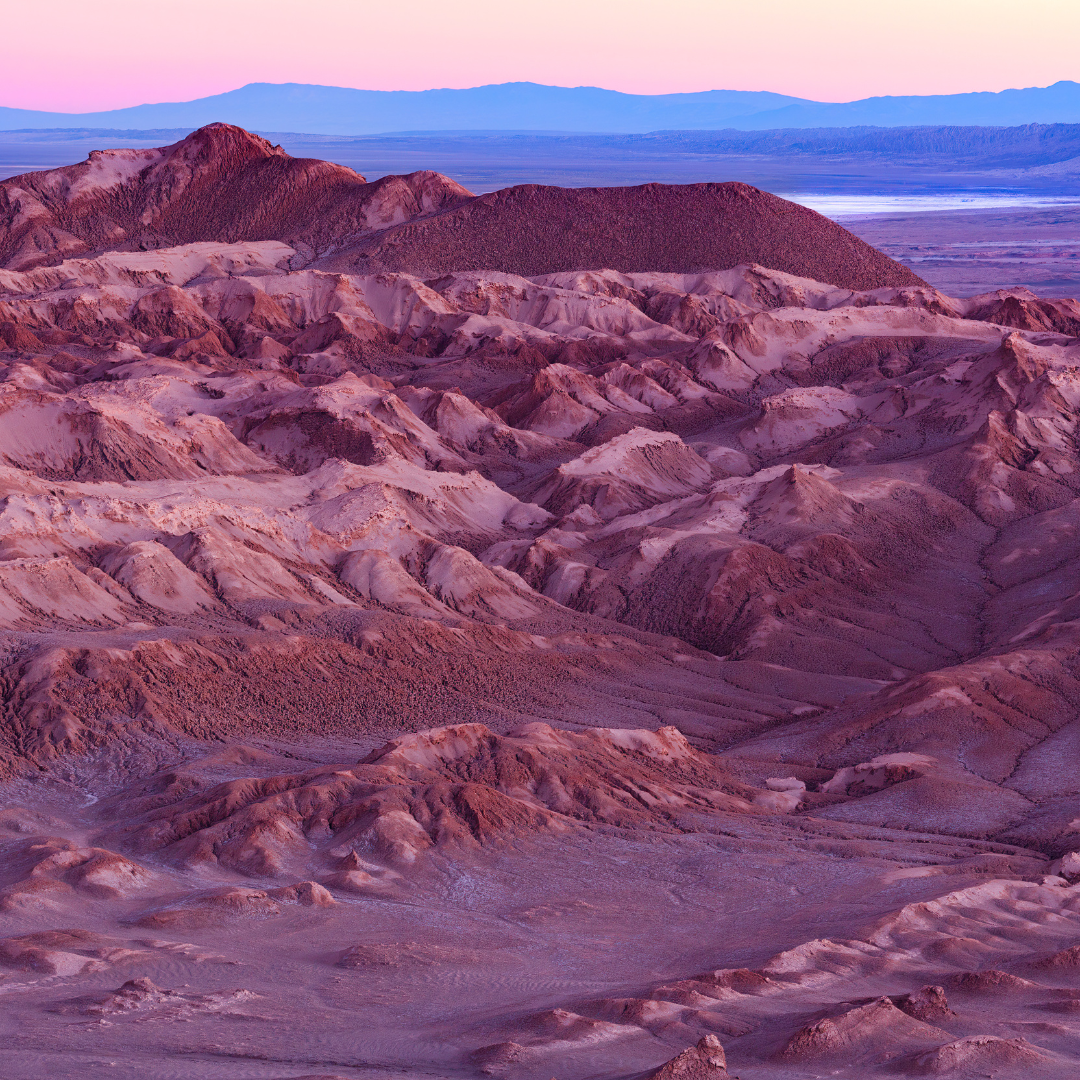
<point>223,184</point>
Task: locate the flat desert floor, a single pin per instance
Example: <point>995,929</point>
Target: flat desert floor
<point>974,251</point>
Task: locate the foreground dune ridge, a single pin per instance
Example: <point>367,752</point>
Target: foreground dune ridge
<point>590,673</point>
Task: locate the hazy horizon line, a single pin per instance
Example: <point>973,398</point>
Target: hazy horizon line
<point>547,86</point>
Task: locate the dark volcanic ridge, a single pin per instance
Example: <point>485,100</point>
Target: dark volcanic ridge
<point>530,230</point>
<point>226,185</point>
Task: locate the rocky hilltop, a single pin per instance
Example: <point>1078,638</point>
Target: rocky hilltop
<point>221,183</point>
<point>684,228</point>
<point>225,185</point>
<point>585,673</point>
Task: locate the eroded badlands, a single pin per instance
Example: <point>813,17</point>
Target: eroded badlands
<point>580,674</point>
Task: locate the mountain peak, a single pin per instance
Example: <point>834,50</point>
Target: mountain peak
<point>220,142</point>
<point>218,183</point>
<point>519,106</point>
<point>222,183</point>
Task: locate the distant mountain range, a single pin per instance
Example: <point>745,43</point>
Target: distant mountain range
<point>333,110</point>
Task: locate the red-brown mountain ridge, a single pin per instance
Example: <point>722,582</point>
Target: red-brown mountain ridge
<point>224,184</point>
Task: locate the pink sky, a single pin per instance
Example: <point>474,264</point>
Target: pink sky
<point>77,56</point>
